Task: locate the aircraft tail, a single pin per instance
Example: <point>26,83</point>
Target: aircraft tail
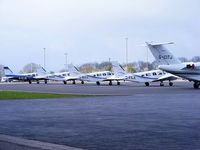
<point>7,71</point>
<point>118,69</point>
<point>73,70</point>
<point>40,70</point>
<point>162,55</point>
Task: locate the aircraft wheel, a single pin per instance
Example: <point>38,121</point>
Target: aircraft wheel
<point>118,83</point>
<point>147,83</point>
<point>170,83</point>
<point>110,83</point>
<point>38,82</point>
<point>161,84</point>
<point>65,82</point>
<point>45,81</point>
<point>98,83</point>
<point>29,82</point>
<point>74,82</point>
<point>196,85</point>
<point>82,82</point>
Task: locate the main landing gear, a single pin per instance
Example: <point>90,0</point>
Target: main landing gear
<point>118,83</point>
<point>45,81</point>
<point>98,83</point>
<point>65,82</point>
<point>170,83</point>
<point>82,82</point>
<point>110,82</point>
<point>161,84</point>
<point>29,82</point>
<point>147,83</point>
<point>196,85</point>
<point>74,82</point>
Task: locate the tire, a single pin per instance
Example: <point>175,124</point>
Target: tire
<point>161,84</point>
<point>170,83</point>
<point>196,85</point>
<point>147,83</point>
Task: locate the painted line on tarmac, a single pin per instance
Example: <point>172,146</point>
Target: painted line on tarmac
<point>16,141</point>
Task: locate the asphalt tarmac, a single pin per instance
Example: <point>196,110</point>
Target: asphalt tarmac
<point>141,118</point>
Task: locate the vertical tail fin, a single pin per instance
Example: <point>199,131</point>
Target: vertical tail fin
<point>162,55</point>
<point>7,71</point>
<point>73,70</point>
<point>40,70</point>
<point>118,69</point>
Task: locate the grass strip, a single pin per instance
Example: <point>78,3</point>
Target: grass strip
<point>4,95</point>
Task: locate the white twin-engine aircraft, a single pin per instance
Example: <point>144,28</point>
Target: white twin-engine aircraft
<point>143,77</point>
<point>168,63</point>
<point>97,77</point>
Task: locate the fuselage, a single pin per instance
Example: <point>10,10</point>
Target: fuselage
<point>189,71</point>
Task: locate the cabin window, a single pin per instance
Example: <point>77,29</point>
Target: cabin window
<point>109,74</point>
<point>148,74</point>
<point>104,74</point>
<point>160,73</point>
<point>154,74</point>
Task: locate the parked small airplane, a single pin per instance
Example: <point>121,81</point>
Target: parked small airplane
<point>9,76</point>
<point>169,63</point>
<point>37,76</point>
<point>97,77</point>
<point>143,77</point>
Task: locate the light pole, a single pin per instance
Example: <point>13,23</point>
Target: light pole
<point>66,60</point>
<point>44,58</point>
<point>147,59</point>
<point>126,53</point>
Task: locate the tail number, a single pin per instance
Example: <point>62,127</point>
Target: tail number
<point>165,57</point>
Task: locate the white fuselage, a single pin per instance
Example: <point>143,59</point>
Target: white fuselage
<point>150,76</point>
<point>189,71</point>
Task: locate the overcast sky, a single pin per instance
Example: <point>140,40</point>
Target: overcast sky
<point>94,30</point>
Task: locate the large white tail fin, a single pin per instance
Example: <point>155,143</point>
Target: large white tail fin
<point>118,69</point>
<point>73,70</point>
<point>7,71</point>
<point>162,55</point>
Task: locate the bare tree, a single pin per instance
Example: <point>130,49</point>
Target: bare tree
<point>196,59</point>
<point>183,59</point>
<point>30,68</point>
<point>1,72</point>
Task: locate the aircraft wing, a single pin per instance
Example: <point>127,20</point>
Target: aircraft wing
<point>167,76</point>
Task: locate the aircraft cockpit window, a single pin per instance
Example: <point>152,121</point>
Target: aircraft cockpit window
<point>154,74</point>
<point>104,74</point>
<point>160,73</point>
<point>189,66</point>
<point>109,73</point>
